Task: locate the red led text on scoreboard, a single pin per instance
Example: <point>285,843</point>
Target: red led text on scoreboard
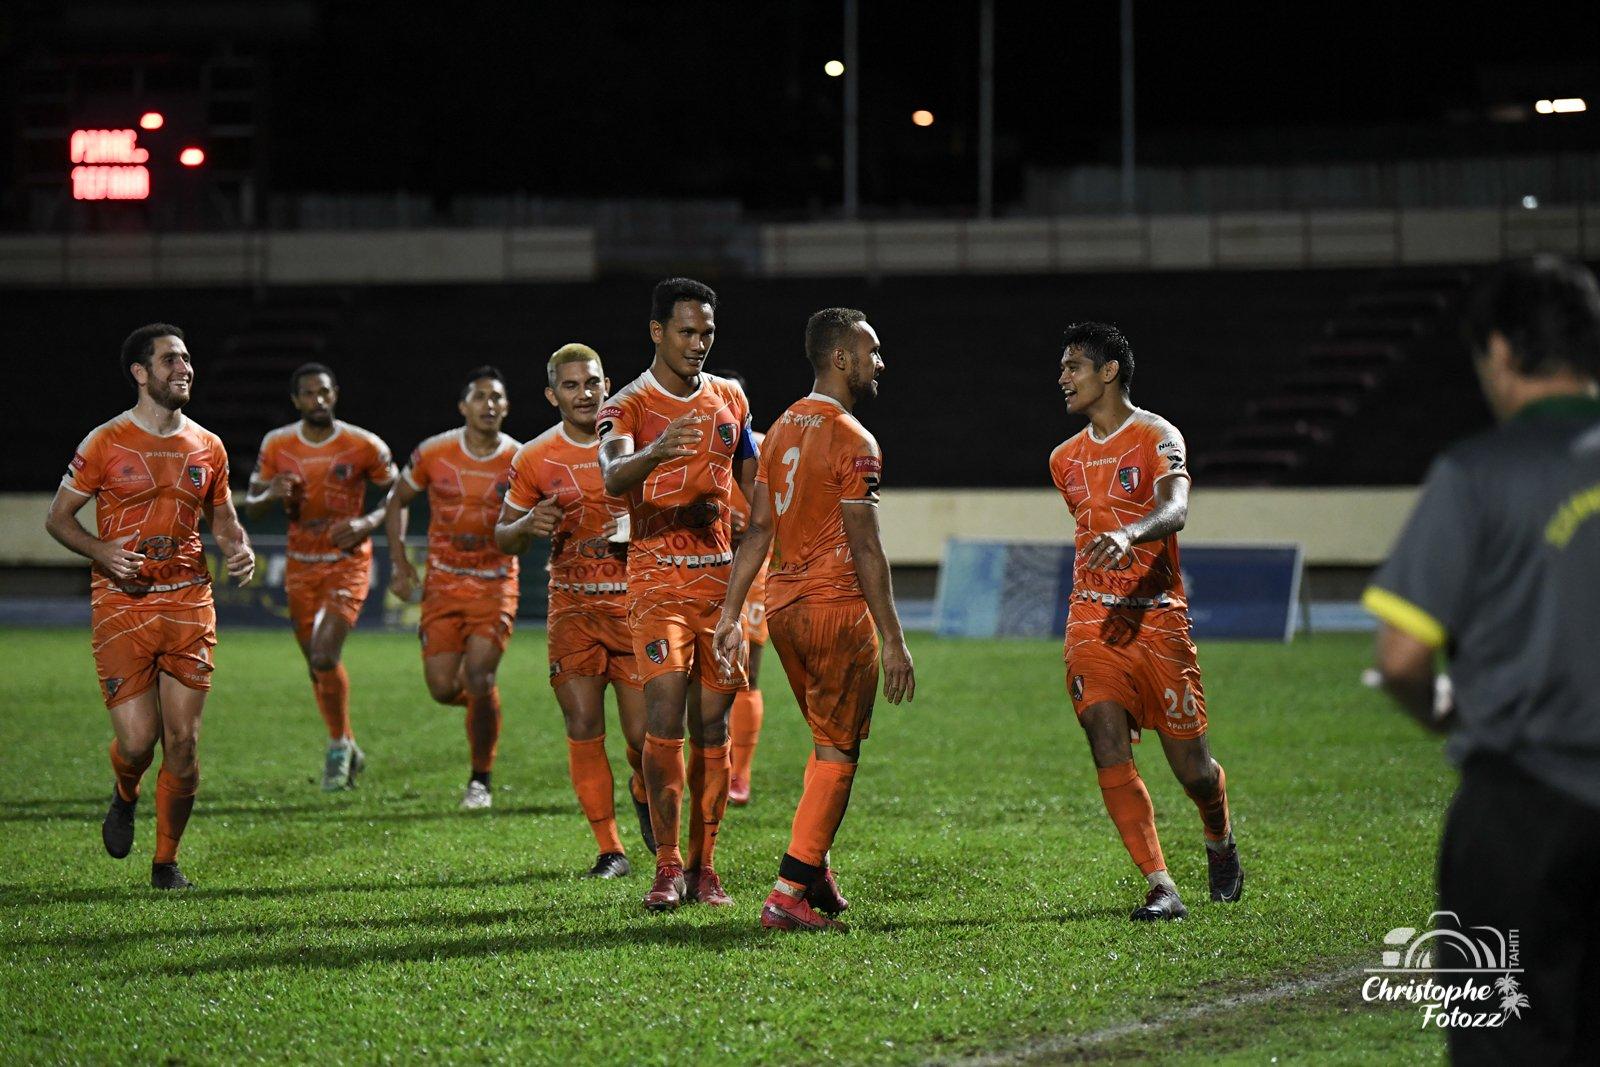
<point>110,165</point>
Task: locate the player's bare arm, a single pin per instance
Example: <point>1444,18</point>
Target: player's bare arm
<point>402,575</point>
<point>1406,666</point>
<point>63,525</point>
<point>348,533</point>
<point>516,529</point>
<point>1110,549</point>
<point>754,545</point>
<point>624,469</point>
<point>238,558</point>
<point>260,497</point>
<point>872,571</point>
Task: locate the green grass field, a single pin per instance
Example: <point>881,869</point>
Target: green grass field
<point>990,892</point>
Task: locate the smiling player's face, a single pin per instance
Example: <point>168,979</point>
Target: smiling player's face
<point>1082,383</point>
<point>684,341</point>
<point>170,375</point>
<point>865,361</point>
<point>579,391</point>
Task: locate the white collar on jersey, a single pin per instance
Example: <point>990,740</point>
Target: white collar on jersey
<point>653,382</point>
<point>461,440</point>
<point>826,399</point>
<point>561,428</point>
<point>183,424</point>
<point>300,432</point>
<point>1135,413</point>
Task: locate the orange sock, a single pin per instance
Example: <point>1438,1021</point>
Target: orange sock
<point>591,780</point>
<point>1214,811</point>
<point>174,802</point>
<point>333,700</point>
<point>128,773</point>
<point>483,730</point>
<point>708,802</point>
<point>821,810</point>
<point>744,729</point>
<point>1128,802</point>
<point>694,774</point>
<point>636,779</point>
<point>663,777</point>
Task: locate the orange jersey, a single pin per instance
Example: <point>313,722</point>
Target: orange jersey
<point>150,492</point>
<point>1110,482</point>
<point>682,537</point>
<point>817,458</point>
<point>334,475</point>
<point>588,571</point>
<point>741,519</point>
<point>464,494</point>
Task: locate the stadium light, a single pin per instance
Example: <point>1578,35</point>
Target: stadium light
<point>191,157</point>
<point>1530,202</point>
<point>833,68</point>
<point>922,118</point>
<point>152,120</point>
<point>1567,105</point>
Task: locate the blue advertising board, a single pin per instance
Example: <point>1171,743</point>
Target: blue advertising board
<point>1023,589</point>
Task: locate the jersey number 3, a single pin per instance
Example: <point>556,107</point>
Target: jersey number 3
<point>791,460</point>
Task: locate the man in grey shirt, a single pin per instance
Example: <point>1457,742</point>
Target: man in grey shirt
<point>1499,566</point>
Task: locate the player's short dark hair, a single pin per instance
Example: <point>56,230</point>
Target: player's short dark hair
<point>478,373</point>
<point>827,330</point>
<point>1101,341</point>
<point>141,345</point>
<point>670,291</point>
<point>306,370</point>
<point>1548,310</point>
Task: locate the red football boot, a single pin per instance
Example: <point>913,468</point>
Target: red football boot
<point>738,791</point>
<point>824,894</point>
<point>667,892</point>
<point>704,887</point>
<point>783,912</point>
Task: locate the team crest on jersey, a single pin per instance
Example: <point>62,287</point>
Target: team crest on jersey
<point>341,471</point>
<point>501,489</point>
<point>656,651</point>
<point>112,685</point>
<point>1128,478</point>
<point>555,669</point>
<point>159,548</point>
<point>1077,687</point>
<point>726,431</point>
<point>197,476</point>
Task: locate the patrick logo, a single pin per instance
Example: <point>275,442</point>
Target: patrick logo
<point>657,651</point>
<point>1128,478</point>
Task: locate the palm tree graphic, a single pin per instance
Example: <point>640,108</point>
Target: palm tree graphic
<point>1512,1001</point>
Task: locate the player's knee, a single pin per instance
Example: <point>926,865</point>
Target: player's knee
<point>584,725</point>
<point>179,756</point>
<point>1201,779</point>
<point>479,681</point>
<point>323,660</point>
<point>444,690</point>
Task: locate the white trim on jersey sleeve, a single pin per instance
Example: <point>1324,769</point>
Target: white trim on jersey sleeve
<point>69,487</point>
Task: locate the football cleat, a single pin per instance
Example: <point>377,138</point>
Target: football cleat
<point>117,829</point>
<point>783,912</point>
<point>338,766</point>
<point>610,865</point>
<point>477,797</point>
<point>666,893</point>
<point>647,833</point>
<point>703,886</point>
<point>738,791</point>
<point>1160,904</point>
<point>1225,875</point>
<point>824,895</point>
<point>167,876</point>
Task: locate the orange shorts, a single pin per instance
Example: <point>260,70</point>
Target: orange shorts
<point>449,621</point>
<point>1143,661</point>
<point>592,644</point>
<point>829,652</point>
<point>132,647</point>
<point>753,619</point>
<point>675,636</point>
<point>340,587</point>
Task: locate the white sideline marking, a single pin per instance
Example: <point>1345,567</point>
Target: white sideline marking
<point>1055,1047</point>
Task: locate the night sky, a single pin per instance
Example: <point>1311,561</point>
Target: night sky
<point>702,99</point>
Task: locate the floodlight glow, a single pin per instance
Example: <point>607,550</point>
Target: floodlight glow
<point>1569,105</point>
<point>152,120</point>
<point>191,157</point>
<point>833,68</point>
<point>922,118</point>
<point>1530,202</point>
<point>1544,107</point>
